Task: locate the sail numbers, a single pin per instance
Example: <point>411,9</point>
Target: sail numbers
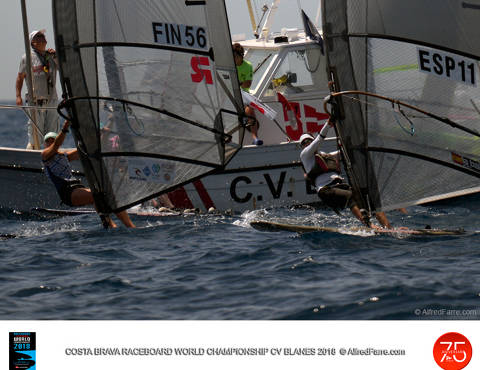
<point>180,35</point>
<point>447,65</point>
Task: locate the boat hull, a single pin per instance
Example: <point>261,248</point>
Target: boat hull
<point>257,177</point>
<point>25,185</point>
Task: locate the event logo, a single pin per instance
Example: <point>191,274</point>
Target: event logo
<point>22,350</point>
<point>452,351</point>
<point>151,170</point>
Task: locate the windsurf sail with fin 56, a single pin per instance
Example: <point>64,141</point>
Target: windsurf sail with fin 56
<point>152,91</point>
<point>406,94</point>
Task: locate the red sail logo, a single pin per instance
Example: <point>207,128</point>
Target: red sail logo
<point>201,73</point>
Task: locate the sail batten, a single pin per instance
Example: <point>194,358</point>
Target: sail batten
<point>406,74</point>
<point>160,156</point>
<point>153,90</point>
<point>403,39</point>
<point>208,53</point>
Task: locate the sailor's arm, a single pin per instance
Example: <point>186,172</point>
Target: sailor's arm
<point>317,142</point>
<point>18,88</point>
<point>53,55</point>
<point>246,84</point>
<point>72,155</point>
<point>52,149</point>
<point>307,156</point>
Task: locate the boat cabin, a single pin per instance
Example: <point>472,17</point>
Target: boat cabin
<point>290,77</point>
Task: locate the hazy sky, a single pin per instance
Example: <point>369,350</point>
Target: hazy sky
<point>40,16</point>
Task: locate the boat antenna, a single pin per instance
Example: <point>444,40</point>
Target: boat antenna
<point>28,60</point>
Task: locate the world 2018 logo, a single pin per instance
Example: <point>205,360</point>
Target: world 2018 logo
<point>452,351</point>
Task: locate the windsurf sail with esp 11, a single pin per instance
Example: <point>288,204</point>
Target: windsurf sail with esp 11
<point>152,92</point>
<point>406,95</point>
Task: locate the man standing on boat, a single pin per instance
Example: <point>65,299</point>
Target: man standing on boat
<point>59,171</point>
<point>323,169</point>
<point>44,72</point>
<point>245,76</point>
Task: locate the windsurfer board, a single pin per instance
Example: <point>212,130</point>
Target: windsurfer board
<point>276,226</point>
<point>61,212</point>
<point>7,236</point>
<point>78,212</point>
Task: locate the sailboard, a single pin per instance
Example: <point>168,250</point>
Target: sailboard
<point>405,93</point>
<point>79,212</point>
<point>61,212</point>
<point>152,93</point>
<point>7,236</point>
<point>277,226</point>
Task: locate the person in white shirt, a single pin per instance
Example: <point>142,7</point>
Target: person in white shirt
<point>44,74</point>
<point>323,170</point>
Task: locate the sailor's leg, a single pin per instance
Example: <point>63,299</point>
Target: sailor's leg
<point>359,215</point>
<point>335,197</point>
<point>253,125</point>
<point>30,134</point>
<point>165,201</point>
<point>382,218</point>
<point>30,129</point>
<point>40,127</point>
<point>125,218</point>
<point>52,120</point>
<point>110,222</point>
<point>81,197</point>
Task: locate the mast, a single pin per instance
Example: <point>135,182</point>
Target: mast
<point>252,17</point>
<point>28,56</point>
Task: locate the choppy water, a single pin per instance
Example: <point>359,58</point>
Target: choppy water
<point>218,267</point>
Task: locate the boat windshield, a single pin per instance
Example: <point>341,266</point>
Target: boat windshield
<point>260,60</point>
<point>299,72</point>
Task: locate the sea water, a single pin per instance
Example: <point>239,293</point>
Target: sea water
<point>215,266</point>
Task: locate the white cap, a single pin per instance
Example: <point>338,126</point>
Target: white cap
<point>305,137</point>
<point>34,33</point>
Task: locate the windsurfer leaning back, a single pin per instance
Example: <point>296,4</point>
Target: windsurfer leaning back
<point>323,170</point>
<point>59,171</point>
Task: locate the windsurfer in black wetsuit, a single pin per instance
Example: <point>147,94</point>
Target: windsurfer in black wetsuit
<point>323,170</point>
<point>59,171</point>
